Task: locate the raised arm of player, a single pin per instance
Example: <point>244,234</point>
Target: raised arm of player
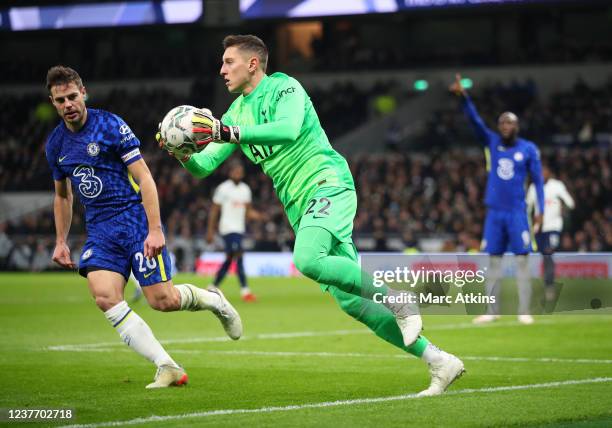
<point>155,240</point>
<point>470,111</point>
<point>62,209</point>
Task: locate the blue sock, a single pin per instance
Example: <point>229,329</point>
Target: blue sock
<point>241,275</point>
<point>222,272</point>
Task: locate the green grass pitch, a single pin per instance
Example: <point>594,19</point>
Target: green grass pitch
<point>300,363</point>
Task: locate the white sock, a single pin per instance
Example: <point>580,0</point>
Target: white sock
<point>197,299</point>
<point>524,284</point>
<point>137,334</point>
<point>245,290</point>
<point>432,354</point>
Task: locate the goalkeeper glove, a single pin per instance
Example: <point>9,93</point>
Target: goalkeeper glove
<point>205,123</point>
<point>162,145</point>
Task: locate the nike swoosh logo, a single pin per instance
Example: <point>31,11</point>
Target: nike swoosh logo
<point>62,158</point>
<point>146,275</point>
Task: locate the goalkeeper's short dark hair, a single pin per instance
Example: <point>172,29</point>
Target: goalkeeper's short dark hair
<point>61,75</point>
<point>250,43</point>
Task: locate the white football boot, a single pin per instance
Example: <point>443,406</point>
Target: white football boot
<point>485,319</point>
<point>443,373</point>
<point>168,375</point>
<point>229,317</point>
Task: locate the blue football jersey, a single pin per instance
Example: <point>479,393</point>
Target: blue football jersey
<point>508,166</point>
<point>96,159</point>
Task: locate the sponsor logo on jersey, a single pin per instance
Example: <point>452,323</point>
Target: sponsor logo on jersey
<point>124,129</point>
<point>284,92</point>
<point>260,155</point>
<point>518,156</point>
<point>90,185</point>
<point>93,149</point>
<point>87,254</point>
<point>505,168</point>
<point>127,138</point>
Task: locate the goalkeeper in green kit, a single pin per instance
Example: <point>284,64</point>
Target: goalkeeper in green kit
<point>275,125</point>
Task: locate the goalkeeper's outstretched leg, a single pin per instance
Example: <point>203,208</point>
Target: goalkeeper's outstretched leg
<point>318,254</point>
<point>328,222</point>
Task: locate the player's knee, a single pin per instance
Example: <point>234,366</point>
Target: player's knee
<point>308,265</point>
<point>106,302</point>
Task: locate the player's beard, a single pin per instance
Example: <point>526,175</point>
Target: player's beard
<point>510,140</point>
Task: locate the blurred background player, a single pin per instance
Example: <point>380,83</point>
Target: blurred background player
<point>510,159</point>
<point>549,235</point>
<point>98,153</point>
<point>232,199</point>
<point>274,123</point>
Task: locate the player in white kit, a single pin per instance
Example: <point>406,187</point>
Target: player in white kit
<point>549,235</point>
<point>232,199</point>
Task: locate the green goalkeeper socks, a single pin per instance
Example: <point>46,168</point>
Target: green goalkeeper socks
<point>377,318</point>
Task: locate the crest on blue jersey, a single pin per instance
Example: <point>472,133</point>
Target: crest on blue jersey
<point>86,254</point>
<point>518,156</point>
<point>93,149</point>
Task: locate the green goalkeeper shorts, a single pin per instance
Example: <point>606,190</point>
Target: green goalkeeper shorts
<point>332,208</point>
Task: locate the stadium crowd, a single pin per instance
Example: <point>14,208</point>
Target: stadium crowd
<point>577,117</point>
<point>400,195</point>
<point>403,196</point>
<point>28,119</point>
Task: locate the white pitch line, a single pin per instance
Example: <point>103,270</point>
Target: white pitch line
<point>363,355</point>
<point>289,335</point>
<point>390,356</point>
<point>540,360</point>
<point>325,404</point>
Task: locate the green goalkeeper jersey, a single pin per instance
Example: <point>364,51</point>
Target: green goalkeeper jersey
<point>280,130</point>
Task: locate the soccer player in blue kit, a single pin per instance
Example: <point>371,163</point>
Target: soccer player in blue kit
<point>510,159</point>
<point>99,155</point>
